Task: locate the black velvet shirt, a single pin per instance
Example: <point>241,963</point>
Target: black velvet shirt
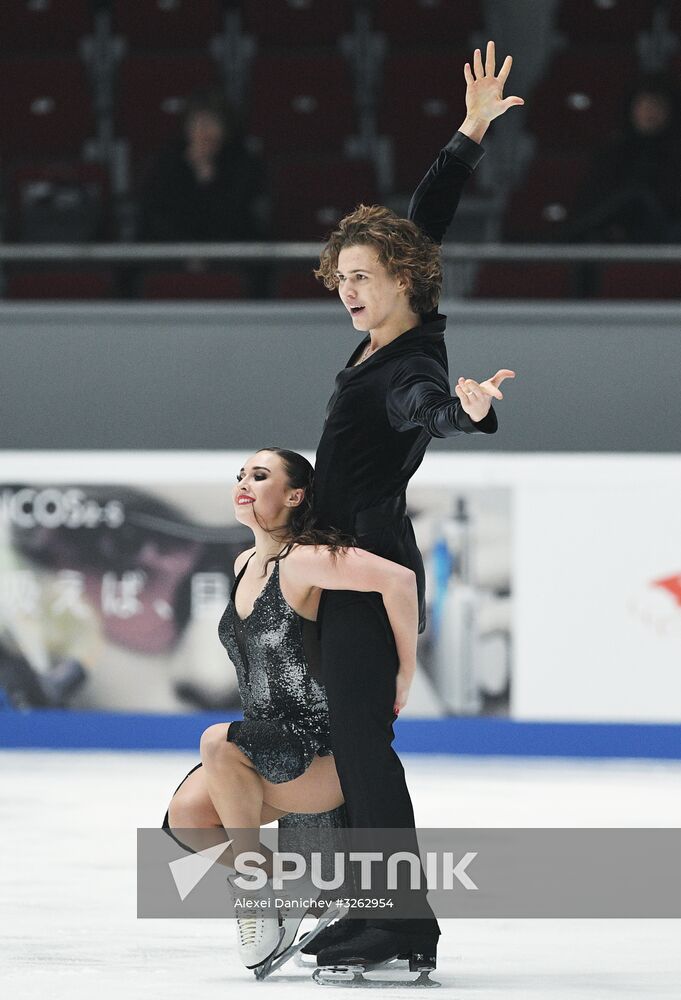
<point>384,412</point>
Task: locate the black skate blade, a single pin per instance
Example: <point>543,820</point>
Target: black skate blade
<point>354,975</point>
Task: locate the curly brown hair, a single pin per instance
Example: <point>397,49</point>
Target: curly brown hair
<point>403,249</point>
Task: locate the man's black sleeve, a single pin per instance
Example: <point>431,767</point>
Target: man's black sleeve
<point>418,395</point>
<point>435,200</point>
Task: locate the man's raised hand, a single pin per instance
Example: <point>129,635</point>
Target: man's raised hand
<point>485,92</point>
<point>476,397</point>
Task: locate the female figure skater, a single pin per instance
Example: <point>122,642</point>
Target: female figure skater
<point>278,759</point>
<point>391,398</point>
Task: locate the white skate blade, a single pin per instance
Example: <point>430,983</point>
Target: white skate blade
<point>349,976</point>
<point>273,963</point>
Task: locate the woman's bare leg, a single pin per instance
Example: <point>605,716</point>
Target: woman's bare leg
<point>317,790</point>
<point>239,794</point>
<point>234,787</point>
<point>192,812</point>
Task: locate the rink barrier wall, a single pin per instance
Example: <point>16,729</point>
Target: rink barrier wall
<point>104,401</point>
<point>70,730</point>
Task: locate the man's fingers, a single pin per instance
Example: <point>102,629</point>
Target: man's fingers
<point>468,76</point>
<point>468,390</point>
<point>489,59</point>
<point>510,102</point>
<point>501,375</point>
<point>505,70</point>
<point>477,65</point>
<point>480,392</point>
<point>492,390</point>
<point>496,378</point>
<point>474,390</point>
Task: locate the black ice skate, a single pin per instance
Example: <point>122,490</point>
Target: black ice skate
<point>377,949</point>
<point>333,935</point>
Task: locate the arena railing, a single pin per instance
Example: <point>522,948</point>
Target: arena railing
<point>21,253</point>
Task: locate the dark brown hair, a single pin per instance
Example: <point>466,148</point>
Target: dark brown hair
<point>300,528</point>
<point>403,249</point>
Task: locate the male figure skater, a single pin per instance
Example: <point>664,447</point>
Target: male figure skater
<point>392,397</point>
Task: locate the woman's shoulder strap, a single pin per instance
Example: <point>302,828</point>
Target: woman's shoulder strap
<point>241,573</point>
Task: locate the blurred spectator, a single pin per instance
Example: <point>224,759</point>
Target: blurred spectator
<point>208,185</point>
<point>632,192</point>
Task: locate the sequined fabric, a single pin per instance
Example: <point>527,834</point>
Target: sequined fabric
<point>286,717</point>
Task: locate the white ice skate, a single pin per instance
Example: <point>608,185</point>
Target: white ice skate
<point>275,962</point>
<point>259,931</point>
<point>292,915</point>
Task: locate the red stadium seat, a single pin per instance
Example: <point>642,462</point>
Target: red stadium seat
<point>46,108</point>
<point>153,96</point>
<point>167,24</point>
<point>184,285</point>
<point>641,281</point>
<point>52,26</point>
<point>605,20</point>
<point>60,285</point>
<point>517,280</point>
<point>545,198</point>
<point>296,23</point>
<point>61,202</point>
<point>428,22</point>
<point>581,99</point>
<point>301,103</point>
<point>422,106</point>
<point>300,283</point>
<point>310,196</point>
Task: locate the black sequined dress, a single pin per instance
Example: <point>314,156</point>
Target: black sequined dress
<point>286,716</point>
<point>275,653</point>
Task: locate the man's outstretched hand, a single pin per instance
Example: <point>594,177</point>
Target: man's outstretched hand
<point>476,397</point>
<point>485,99</point>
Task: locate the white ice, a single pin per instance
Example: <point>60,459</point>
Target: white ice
<point>68,926</point>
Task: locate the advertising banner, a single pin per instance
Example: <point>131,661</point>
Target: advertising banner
<point>553,584</point>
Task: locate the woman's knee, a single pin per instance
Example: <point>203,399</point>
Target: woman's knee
<point>214,745</point>
<point>181,813</point>
<point>191,807</point>
<point>212,740</point>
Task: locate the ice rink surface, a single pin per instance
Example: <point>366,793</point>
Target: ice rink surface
<point>68,921</point>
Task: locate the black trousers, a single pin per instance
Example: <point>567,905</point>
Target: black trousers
<point>359,665</point>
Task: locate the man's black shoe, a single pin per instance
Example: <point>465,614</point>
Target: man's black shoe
<point>373,945</point>
<point>336,933</point>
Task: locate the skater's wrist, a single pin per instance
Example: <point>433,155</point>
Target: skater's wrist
<point>475,127</point>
